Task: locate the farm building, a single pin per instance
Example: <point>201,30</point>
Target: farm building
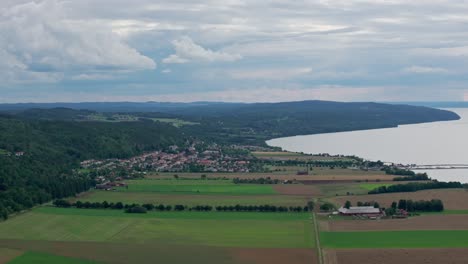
<point>368,211</point>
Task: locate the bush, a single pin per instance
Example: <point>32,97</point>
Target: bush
<point>136,210</point>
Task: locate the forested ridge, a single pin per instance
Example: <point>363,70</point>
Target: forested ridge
<point>37,157</point>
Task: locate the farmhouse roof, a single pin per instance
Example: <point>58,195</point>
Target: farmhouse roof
<point>359,210</point>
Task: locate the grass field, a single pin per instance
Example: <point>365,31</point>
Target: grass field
<point>225,187</point>
<point>396,239</point>
<point>36,257</point>
<point>259,230</point>
<point>191,199</point>
<point>372,186</point>
<point>340,189</point>
<point>175,122</point>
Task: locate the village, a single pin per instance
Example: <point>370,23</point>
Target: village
<point>176,159</point>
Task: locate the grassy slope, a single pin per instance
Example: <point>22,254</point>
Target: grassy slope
<point>263,230</point>
<point>395,239</point>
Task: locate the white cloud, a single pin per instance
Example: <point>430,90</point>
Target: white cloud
<point>424,70</point>
<point>187,51</point>
<point>166,71</point>
<point>38,39</point>
<point>269,74</point>
<point>92,77</point>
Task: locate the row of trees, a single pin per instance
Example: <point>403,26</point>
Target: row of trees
<point>416,177</point>
<point>130,208</point>
<point>416,186</point>
<point>434,205</point>
<point>397,171</point>
<point>266,180</point>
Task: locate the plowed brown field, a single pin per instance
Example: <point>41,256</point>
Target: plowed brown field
<point>392,256</point>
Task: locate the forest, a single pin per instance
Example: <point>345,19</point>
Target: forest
<point>38,157</point>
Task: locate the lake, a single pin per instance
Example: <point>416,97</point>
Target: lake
<point>429,143</point>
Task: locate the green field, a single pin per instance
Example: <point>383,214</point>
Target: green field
<point>175,122</point>
<point>372,186</point>
<point>261,230</point>
<point>36,257</point>
<point>224,187</point>
<point>191,199</point>
<point>396,239</point>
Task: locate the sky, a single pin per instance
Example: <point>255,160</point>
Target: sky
<point>233,50</point>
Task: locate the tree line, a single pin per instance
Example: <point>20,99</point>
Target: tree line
<point>262,180</point>
<point>135,208</point>
<point>434,205</point>
<point>416,186</point>
<point>416,177</point>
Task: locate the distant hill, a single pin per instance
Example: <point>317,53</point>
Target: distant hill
<point>447,104</point>
<point>247,123</point>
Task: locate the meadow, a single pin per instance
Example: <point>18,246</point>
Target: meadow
<point>396,239</point>
<point>227,229</point>
<point>224,187</point>
<point>192,199</point>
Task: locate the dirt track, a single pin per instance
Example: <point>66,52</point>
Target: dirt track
<point>426,222</point>
<point>393,256</point>
<point>454,199</point>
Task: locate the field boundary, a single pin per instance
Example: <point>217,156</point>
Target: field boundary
<point>317,239</point>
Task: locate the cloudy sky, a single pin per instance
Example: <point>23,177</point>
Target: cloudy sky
<point>233,50</point>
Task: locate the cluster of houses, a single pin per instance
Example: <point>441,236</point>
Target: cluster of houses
<point>175,160</point>
<point>110,185</point>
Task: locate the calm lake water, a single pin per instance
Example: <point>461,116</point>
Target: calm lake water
<point>428,143</point>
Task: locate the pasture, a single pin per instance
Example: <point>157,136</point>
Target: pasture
<point>191,199</point>
<point>396,239</point>
<point>219,187</point>
<point>254,230</point>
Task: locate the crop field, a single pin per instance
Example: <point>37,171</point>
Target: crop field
<point>453,199</point>
<point>7,254</point>
<point>396,239</point>
<point>112,236</point>
<point>192,199</point>
<point>36,257</point>
<point>260,230</point>
<point>393,255</point>
<point>424,222</point>
<point>196,186</point>
<point>288,173</point>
